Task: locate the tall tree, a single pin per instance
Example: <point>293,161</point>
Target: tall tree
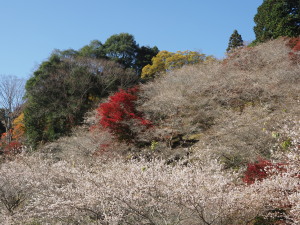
<point>277,18</point>
<point>11,99</point>
<point>122,48</point>
<point>235,41</point>
<point>57,98</point>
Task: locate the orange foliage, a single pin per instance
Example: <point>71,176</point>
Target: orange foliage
<point>18,127</point>
<point>18,131</point>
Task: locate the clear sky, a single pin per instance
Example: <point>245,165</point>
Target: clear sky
<point>32,29</point>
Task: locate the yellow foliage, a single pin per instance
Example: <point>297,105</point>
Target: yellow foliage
<point>159,64</point>
<point>165,61</point>
<point>18,127</point>
<point>93,98</point>
<point>19,119</point>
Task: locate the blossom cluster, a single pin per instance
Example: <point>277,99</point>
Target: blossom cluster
<point>117,191</point>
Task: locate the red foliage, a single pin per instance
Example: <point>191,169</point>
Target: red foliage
<point>261,170</point>
<point>116,114</point>
<point>294,44</point>
<point>296,48</point>
<point>12,148</point>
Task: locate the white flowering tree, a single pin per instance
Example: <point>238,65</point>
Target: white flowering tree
<point>115,191</point>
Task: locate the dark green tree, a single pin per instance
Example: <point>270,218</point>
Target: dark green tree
<point>62,89</point>
<point>57,97</point>
<point>144,57</point>
<point>235,41</point>
<point>122,48</point>
<point>277,18</point>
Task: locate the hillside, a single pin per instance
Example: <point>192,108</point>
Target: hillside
<point>230,106</point>
<point>210,123</point>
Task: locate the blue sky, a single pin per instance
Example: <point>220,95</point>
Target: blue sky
<point>32,29</point>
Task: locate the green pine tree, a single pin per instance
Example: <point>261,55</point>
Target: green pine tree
<point>235,41</point>
<point>277,18</point>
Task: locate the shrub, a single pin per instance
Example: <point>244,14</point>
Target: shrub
<point>260,170</point>
<point>256,171</point>
<point>10,149</point>
<point>13,148</point>
<point>117,114</point>
<point>294,44</point>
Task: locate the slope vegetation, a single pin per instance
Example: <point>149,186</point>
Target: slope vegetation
<point>223,148</point>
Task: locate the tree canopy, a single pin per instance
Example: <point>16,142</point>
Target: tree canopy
<point>165,61</point>
<point>93,50</point>
<point>277,18</point>
<point>122,48</point>
<point>63,89</point>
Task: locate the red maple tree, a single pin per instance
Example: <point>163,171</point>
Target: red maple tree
<point>119,114</point>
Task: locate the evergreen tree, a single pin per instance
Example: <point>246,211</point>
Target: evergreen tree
<point>144,57</point>
<point>235,41</point>
<point>277,18</point>
<point>121,48</point>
